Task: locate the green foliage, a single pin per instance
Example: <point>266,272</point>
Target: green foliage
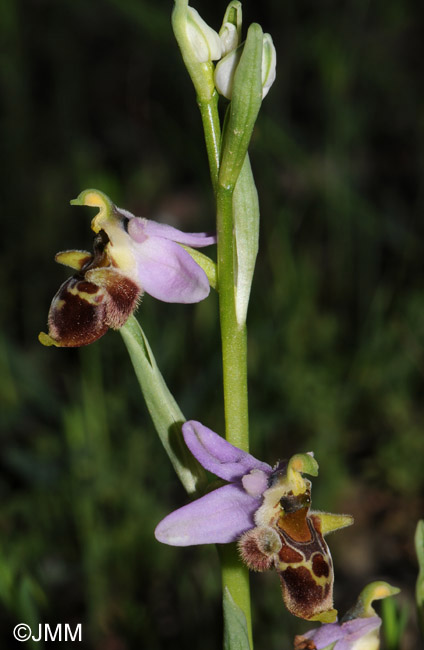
<point>235,627</point>
<point>95,95</point>
<point>165,413</point>
<point>395,619</point>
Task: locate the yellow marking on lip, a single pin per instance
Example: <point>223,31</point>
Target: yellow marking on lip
<point>91,298</point>
<point>58,303</point>
<point>320,581</point>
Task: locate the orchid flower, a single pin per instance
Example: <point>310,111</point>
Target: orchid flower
<point>131,256</point>
<point>359,628</point>
<point>266,510</point>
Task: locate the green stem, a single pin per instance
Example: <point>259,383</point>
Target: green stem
<point>234,349</point>
<point>212,131</point>
<point>235,576</point>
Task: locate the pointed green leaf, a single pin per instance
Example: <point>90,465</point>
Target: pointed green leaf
<point>246,227</point>
<point>244,108</point>
<point>164,410</point>
<point>235,628</point>
<point>395,618</point>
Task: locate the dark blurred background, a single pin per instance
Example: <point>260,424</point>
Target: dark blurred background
<point>94,94</point>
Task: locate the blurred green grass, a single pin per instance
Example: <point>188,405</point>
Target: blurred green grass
<point>95,94</point>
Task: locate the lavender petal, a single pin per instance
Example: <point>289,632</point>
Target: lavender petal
<point>324,635</point>
<point>219,517</point>
<point>217,455</point>
<point>345,634</point>
<point>357,629</point>
<point>139,229</point>
<point>167,272</point>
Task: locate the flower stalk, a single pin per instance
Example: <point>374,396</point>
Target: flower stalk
<point>233,335</point>
<point>212,133</point>
<point>237,227</point>
<point>234,575</point>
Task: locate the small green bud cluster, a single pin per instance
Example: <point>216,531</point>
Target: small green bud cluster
<point>226,68</point>
<point>204,45</point>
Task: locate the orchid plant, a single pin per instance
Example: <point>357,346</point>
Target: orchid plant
<point>261,517</point>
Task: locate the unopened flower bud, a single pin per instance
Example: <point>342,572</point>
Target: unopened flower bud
<point>229,38</point>
<point>226,67</point>
<point>204,40</point>
<point>269,62</point>
<point>225,70</point>
<point>230,32</point>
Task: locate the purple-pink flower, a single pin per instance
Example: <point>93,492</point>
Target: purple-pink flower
<point>131,256</point>
<point>359,629</point>
<point>164,269</point>
<point>267,510</point>
<point>361,633</point>
<point>223,515</point>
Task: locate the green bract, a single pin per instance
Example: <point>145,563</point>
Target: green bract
<point>244,108</point>
<point>165,412</point>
